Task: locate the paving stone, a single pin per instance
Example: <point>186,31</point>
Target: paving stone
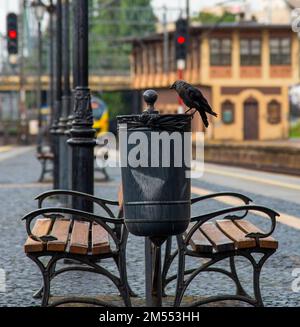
<point>18,188</point>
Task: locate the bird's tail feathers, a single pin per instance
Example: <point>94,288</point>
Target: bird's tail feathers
<point>204,118</point>
<point>207,109</point>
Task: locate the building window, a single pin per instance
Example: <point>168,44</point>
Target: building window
<point>274,112</point>
<point>250,52</point>
<point>228,112</point>
<point>280,51</point>
<point>220,52</point>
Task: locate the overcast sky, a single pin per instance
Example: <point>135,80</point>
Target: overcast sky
<point>196,5</point>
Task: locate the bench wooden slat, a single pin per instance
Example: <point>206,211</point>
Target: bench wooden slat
<point>79,242</point>
<point>100,240</point>
<point>199,242</point>
<point>247,227</point>
<point>120,197</point>
<point>219,240</point>
<point>45,156</point>
<point>236,234</point>
<point>40,228</point>
<point>60,230</point>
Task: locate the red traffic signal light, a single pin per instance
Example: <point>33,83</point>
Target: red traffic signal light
<point>181,39</point>
<point>12,34</point>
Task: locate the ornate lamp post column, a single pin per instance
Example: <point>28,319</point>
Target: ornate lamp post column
<point>39,8</point>
<point>75,83</point>
<point>58,94</point>
<point>82,132</point>
<point>39,11</point>
<point>66,100</point>
<point>51,11</point>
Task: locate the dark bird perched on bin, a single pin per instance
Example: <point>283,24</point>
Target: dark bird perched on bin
<point>193,99</point>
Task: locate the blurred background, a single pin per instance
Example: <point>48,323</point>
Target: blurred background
<point>243,55</point>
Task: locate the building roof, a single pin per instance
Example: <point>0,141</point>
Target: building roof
<point>247,25</point>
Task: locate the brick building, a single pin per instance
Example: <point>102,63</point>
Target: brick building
<point>244,69</point>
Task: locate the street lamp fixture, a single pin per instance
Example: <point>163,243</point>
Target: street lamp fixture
<point>39,9</point>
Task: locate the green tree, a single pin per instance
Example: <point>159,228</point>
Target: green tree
<point>111,22</point>
<point>209,18</point>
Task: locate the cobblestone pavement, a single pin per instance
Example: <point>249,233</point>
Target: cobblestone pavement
<point>18,175</point>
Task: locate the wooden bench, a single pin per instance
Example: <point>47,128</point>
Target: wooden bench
<point>227,235</point>
<point>89,239</point>
<point>80,237</point>
<point>46,159</point>
<point>220,239</point>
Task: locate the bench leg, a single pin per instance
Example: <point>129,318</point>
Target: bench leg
<point>106,176</point>
<point>167,264</point>
<point>124,287</point>
<point>43,172</point>
<point>257,267</point>
<point>180,289</point>
<point>239,288</point>
<point>241,293</point>
<point>131,292</point>
<point>39,293</point>
<point>46,273</point>
<point>46,288</point>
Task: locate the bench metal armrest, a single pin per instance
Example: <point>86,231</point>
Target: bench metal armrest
<point>242,197</point>
<point>200,220</point>
<point>239,196</point>
<point>103,203</point>
<point>56,213</point>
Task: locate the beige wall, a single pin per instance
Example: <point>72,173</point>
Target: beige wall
<point>267,131</point>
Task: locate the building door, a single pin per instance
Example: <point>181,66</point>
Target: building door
<point>251,129</point>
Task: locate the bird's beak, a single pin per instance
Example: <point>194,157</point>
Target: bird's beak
<point>172,87</point>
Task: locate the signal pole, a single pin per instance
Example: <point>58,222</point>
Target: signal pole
<point>188,14</point>
<point>180,75</point>
<point>181,41</point>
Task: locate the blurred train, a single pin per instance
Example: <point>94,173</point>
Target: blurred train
<point>101,116</point>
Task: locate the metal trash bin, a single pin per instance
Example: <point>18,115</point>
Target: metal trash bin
<point>157,200</point>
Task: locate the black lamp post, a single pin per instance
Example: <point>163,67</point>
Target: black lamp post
<point>75,71</point>
<point>82,133</point>
<point>58,94</point>
<point>66,101</point>
<point>51,10</point>
<point>40,8</point>
<point>39,11</point>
